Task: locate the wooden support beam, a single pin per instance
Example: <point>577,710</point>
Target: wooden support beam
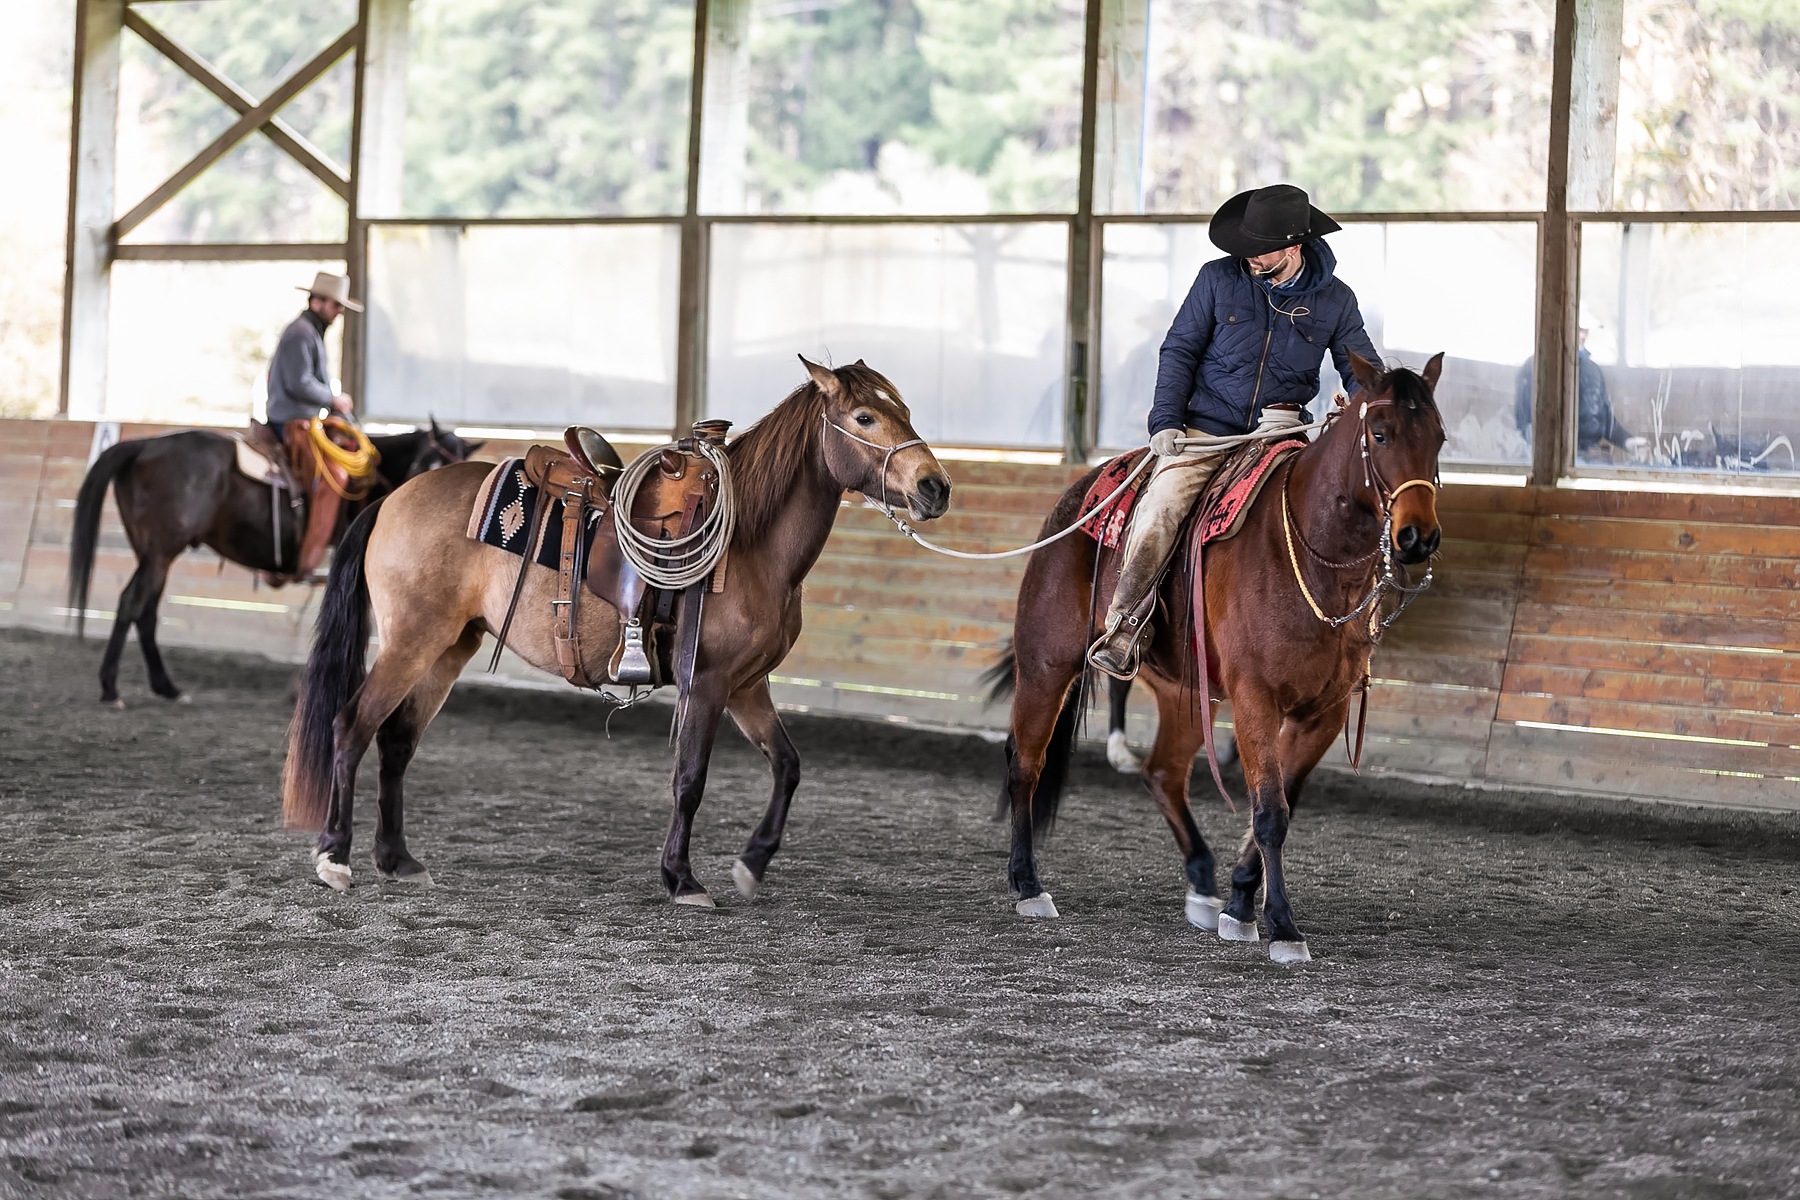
<point>87,279</point>
<point>690,335</point>
<point>246,124</point>
<point>1080,407</point>
<point>1594,99</point>
<point>278,131</point>
<point>231,251</point>
<point>1552,448</point>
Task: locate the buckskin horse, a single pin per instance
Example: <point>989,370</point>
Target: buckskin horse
<point>1273,602</point>
<point>435,593</point>
<point>181,490</point>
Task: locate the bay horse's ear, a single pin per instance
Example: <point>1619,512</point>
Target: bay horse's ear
<point>825,377</point>
<point>860,363</point>
<point>432,417</point>
<point>1365,372</point>
<point>1433,369</point>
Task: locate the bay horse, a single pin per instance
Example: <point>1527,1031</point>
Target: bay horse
<point>181,490</point>
<point>1271,646</point>
<point>435,593</point>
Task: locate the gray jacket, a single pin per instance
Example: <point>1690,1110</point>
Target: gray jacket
<point>298,384</point>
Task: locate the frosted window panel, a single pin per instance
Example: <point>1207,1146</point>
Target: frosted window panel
<point>967,320</point>
<point>37,63</point>
<point>1684,367</point>
<point>1370,107</point>
<point>208,365</point>
<point>557,108</point>
<point>528,325</point>
<point>1706,112</point>
<point>1398,274</point>
<point>871,107</point>
<point>256,192</point>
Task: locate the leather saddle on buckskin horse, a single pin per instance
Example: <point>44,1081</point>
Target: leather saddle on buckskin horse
<point>563,501</point>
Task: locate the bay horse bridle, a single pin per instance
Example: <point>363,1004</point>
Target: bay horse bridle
<point>1389,578</point>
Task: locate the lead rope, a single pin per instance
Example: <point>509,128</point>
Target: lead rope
<point>1275,423</point>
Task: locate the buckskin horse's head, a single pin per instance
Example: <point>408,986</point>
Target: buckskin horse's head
<point>1401,434</point>
<point>880,455</point>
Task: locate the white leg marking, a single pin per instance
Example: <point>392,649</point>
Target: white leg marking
<point>335,876</point>
<point>1120,756</point>
<point>746,882</point>
<point>697,900</point>
<point>1289,952</point>
<point>1233,930</point>
<point>1203,911</point>
<point>1039,905</point>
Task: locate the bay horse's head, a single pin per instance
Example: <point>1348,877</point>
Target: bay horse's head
<point>1401,433</point>
<point>879,454</point>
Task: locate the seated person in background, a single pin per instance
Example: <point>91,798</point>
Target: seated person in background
<point>1594,423</point>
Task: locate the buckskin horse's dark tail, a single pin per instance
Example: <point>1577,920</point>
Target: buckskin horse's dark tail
<point>1000,680</point>
<point>334,673</point>
<point>85,536</point>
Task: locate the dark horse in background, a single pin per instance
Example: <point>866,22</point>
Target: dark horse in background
<point>182,490</point>
<point>1289,673</point>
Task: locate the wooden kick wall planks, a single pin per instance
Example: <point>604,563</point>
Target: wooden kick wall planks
<point>1634,643</point>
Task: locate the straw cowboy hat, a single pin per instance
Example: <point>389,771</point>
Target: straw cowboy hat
<point>1264,220</point>
<point>332,287</point>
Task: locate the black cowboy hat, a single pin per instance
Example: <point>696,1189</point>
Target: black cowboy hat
<point>1264,220</point>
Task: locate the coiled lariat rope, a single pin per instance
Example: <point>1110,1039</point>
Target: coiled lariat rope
<point>677,562</point>
<point>358,463</point>
<point>1275,423</point>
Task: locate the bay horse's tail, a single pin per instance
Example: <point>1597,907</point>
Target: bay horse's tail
<point>85,536</point>
<point>1046,798</point>
<point>334,673</point>
<point>998,679</point>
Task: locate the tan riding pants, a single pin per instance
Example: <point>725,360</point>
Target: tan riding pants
<point>1174,488</point>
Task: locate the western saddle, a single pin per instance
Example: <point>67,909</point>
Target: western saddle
<point>660,630</point>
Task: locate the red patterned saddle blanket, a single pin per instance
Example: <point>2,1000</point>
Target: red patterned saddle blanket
<point>1223,507</point>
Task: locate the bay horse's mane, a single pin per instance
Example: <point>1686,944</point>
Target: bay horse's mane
<point>771,456</point>
<point>1411,392</point>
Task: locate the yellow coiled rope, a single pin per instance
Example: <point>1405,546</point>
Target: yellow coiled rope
<point>359,463</point>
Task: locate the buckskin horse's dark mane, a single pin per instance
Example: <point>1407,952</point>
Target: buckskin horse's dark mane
<point>770,456</point>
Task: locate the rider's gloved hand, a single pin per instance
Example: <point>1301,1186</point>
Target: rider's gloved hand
<point>1166,442</point>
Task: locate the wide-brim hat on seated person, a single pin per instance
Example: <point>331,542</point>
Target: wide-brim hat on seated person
<point>1264,220</point>
<point>332,287</point>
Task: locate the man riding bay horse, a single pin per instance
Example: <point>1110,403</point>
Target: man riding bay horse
<point>1251,335</point>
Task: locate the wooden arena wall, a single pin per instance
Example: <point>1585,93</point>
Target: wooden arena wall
<point>1632,643</point>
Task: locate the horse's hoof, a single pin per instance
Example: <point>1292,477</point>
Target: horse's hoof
<point>181,698</point>
<point>115,702</point>
<point>1289,952</point>
<point>335,876</point>
<point>1233,930</point>
<point>410,871</point>
<point>1203,911</point>
<point>696,900</point>
<point>1039,905</point>
<point>746,882</point>
<point>1119,755</point>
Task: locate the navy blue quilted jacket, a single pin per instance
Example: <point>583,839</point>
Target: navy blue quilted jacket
<point>1229,353</point>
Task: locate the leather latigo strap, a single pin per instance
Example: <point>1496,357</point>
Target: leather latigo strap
<point>568,594</point>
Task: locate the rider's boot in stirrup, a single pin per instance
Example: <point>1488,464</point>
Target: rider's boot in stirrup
<point>1115,652</point>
